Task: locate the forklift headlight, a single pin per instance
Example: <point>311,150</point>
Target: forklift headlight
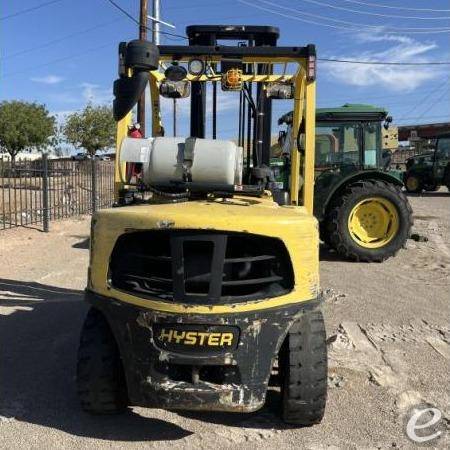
<point>196,67</point>
<point>175,73</point>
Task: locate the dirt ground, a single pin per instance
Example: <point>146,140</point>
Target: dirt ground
<point>389,350</point>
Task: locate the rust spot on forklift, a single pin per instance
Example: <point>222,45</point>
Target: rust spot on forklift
<point>164,224</point>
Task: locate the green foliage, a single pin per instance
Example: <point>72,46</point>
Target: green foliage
<point>93,129</point>
<point>24,126</point>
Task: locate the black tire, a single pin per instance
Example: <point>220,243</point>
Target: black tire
<point>303,371</point>
<point>340,208</point>
<point>324,235</point>
<point>432,187</point>
<point>100,378</point>
<point>413,184</point>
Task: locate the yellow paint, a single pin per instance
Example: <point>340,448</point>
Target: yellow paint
<point>209,78</point>
<point>310,145</point>
<point>119,167</point>
<point>296,122</point>
<point>373,222</point>
<point>293,225</point>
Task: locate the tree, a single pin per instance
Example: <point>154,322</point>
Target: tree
<point>93,128</point>
<point>24,126</point>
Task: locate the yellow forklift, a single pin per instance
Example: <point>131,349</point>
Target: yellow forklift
<point>204,279</point>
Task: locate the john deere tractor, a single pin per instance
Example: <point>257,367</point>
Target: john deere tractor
<point>429,171</point>
<point>201,286</point>
<point>362,211</point>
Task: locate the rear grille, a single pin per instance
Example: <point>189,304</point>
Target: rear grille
<point>192,267</point>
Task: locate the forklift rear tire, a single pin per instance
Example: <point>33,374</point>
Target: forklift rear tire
<point>101,382</point>
<point>303,371</point>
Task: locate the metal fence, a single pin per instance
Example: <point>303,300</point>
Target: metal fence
<point>33,193</point>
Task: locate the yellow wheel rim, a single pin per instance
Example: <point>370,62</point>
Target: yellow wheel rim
<point>373,222</point>
<point>412,183</point>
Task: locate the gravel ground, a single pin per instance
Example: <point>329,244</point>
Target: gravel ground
<point>389,350</point>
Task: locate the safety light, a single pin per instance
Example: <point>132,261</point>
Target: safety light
<point>311,68</point>
<point>232,80</point>
<point>196,67</point>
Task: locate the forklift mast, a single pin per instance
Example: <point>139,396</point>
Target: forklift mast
<point>247,36</point>
<point>255,68</point>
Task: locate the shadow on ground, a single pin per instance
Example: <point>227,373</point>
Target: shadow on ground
<point>39,332</point>
<point>83,244</point>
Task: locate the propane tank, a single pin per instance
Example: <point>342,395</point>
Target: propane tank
<point>169,160</point>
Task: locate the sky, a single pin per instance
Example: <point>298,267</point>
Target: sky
<point>63,53</point>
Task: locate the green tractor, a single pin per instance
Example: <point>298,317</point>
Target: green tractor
<point>362,211</point>
<point>429,171</point>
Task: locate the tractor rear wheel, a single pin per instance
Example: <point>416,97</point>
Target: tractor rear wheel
<point>370,221</point>
<point>303,371</point>
<point>100,378</point>
<point>413,184</point>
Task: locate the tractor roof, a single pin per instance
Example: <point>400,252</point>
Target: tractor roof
<point>348,112</point>
<point>351,111</point>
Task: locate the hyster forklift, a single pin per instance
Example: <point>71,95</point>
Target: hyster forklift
<point>203,287</point>
<point>358,200</point>
<point>429,171</point>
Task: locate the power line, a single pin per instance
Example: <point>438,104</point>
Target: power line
<point>404,8</point>
<point>376,97</point>
<point>61,39</point>
<point>442,116</point>
<point>327,24</point>
<point>387,63</point>
<point>438,100</point>
<point>65,58</point>
<point>345,22</point>
<point>126,13</point>
<point>424,99</point>
<point>368,13</point>
<point>27,10</point>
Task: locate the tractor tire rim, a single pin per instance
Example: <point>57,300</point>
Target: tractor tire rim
<point>412,183</point>
<point>373,222</point>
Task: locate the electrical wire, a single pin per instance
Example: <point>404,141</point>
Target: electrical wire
<point>327,24</point>
<point>404,8</point>
<point>432,105</point>
<point>387,63</point>
<point>27,10</point>
<point>353,24</point>
<point>65,58</point>
<point>61,39</point>
<point>368,13</point>
<point>426,97</point>
<point>442,116</point>
<point>126,13</point>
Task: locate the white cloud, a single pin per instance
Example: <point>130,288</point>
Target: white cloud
<point>93,93</point>
<point>48,79</point>
<point>393,78</point>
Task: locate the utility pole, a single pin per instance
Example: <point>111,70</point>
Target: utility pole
<point>156,21</point>
<point>143,37</point>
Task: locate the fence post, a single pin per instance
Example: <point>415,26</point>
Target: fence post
<point>45,211</point>
<point>94,184</point>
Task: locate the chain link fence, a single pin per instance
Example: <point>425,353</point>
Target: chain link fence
<point>34,193</point>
